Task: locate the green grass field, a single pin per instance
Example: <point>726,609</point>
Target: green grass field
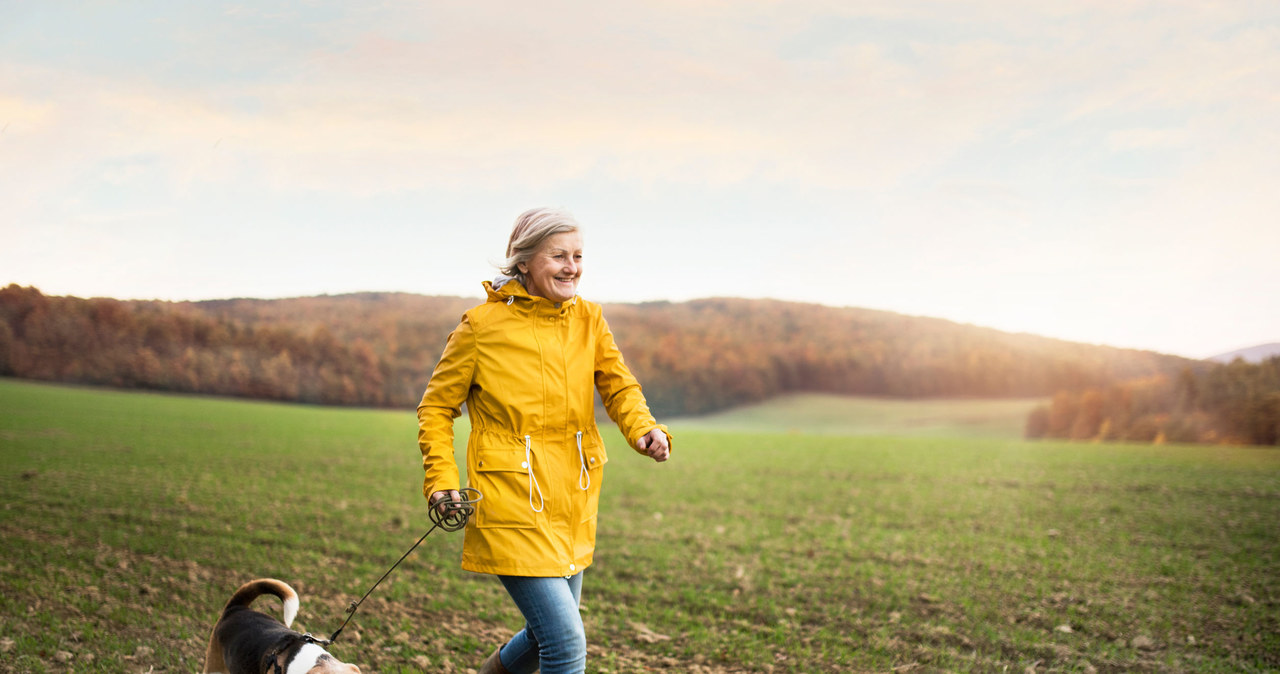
<point>821,414</point>
<point>129,518</point>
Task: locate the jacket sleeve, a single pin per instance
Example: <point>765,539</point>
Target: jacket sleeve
<point>623,399</point>
<point>441,404</point>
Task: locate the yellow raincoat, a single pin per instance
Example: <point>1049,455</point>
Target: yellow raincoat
<point>526,368</point>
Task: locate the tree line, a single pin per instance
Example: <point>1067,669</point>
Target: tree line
<point>378,349</point>
<point>705,355</point>
<point>1237,403</point>
<point>150,345</point>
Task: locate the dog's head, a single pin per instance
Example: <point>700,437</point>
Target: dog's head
<point>312,659</point>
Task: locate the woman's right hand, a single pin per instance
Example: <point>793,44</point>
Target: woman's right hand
<point>441,500</point>
<point>655,445</point>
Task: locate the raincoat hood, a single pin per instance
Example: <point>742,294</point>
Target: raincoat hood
<point>499,281</point>
<point>508,288</point>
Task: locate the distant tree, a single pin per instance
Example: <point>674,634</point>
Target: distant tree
<point>7,348</point>
<point>1038,423</point>
<point>1062,414</point>
<point>1186,392</point>
<point>1146,428</point>
<point>1089,416</point>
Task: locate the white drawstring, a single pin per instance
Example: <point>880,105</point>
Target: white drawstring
<point>582,461</point>
<point>533,481</point>
<point>510,300</point>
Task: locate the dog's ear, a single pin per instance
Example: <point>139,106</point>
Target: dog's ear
<point>213,658</point>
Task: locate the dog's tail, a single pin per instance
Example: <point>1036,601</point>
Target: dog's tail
<point>256,588</point>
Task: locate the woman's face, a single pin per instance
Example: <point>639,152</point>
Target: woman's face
<point>554,270</point>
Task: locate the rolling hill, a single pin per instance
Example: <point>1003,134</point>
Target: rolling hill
<point>1252,354</point>
<point>378,349</point>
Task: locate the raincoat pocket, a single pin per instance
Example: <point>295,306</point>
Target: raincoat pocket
<point>502,475</point>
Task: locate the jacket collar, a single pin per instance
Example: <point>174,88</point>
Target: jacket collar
<point>507,290</point>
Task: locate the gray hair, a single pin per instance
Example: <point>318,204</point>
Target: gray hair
<point>531,229</point>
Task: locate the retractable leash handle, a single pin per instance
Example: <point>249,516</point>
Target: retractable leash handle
<point>457,512</point>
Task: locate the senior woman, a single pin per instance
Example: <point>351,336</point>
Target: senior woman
<point>526,363</point>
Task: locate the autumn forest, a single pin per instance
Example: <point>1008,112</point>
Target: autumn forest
<point>378,350</point>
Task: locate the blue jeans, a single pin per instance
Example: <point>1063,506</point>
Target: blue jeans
<point>553,637</point>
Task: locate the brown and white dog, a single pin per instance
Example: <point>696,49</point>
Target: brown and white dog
<point>245,641</point>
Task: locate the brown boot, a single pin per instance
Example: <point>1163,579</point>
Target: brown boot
<point>493,665</point>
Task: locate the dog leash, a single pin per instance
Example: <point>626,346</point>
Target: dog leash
<point>458,512</point>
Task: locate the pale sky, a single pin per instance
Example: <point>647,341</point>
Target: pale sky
<point>1099,171</point>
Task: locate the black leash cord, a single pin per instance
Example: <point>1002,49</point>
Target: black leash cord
<point>459,511</point>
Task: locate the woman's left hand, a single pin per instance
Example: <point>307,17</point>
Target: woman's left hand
<point>655,445</point>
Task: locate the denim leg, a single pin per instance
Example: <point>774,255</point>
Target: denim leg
<point>553,637</point>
